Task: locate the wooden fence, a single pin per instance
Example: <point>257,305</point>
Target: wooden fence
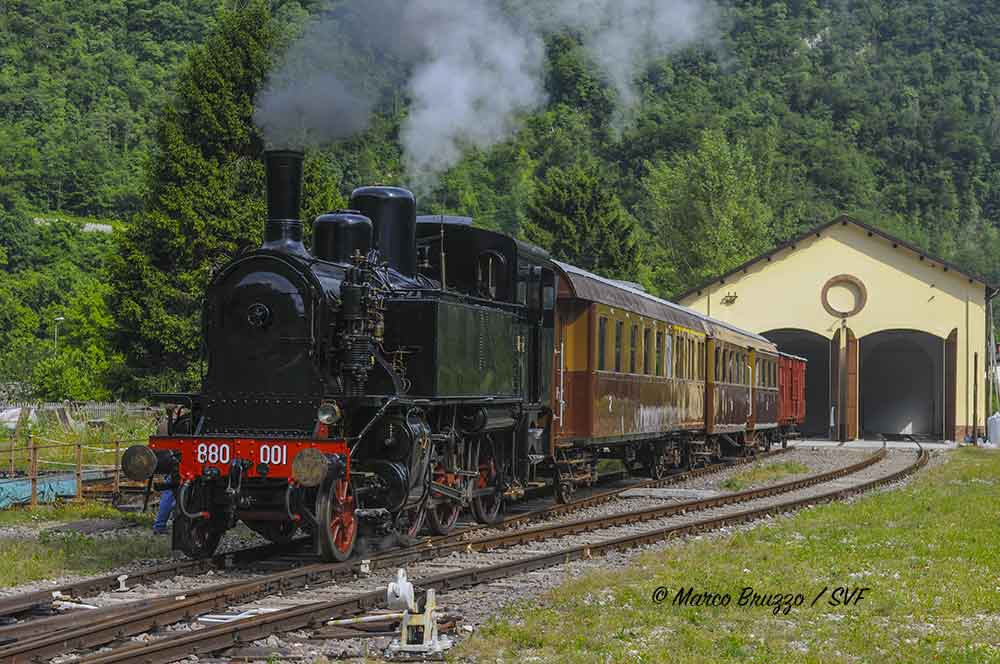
<point>42,458</point>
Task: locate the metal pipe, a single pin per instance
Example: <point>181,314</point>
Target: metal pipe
<point>562,382</point>
<point>182,498</point>
<point>367,619</point>
<point>371,423</point>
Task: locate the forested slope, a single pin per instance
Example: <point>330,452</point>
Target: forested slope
<point>791,113</point>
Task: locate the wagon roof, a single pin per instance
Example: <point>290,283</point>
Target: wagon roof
<point>595,288</point>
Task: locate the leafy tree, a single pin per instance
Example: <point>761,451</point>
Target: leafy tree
<point>708,210</point>
<point>580,219</point>
<point>80,87</point>
<point>55,269</point>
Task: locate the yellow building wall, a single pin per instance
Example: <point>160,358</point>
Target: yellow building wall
<point>903,292</point>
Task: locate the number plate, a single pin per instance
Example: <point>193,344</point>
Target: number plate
<point>214,453</point>
<point>200,453</point>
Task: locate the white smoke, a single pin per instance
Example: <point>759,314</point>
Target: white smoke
<point>623,37</point>
<point>471,68</point>
<point>478,73</point>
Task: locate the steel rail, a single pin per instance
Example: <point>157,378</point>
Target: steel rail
<point>52,624</point>
<point>19,604</point>
<point>602,497</point>
<point>221,637</point>
<point>90,630</point>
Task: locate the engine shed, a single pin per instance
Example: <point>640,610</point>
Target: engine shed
<point>897,339</point>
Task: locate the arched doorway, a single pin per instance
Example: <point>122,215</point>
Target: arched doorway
<point>901,384</point>
<point>816,349</point>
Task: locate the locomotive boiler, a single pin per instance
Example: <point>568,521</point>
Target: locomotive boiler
<point>406,369</point>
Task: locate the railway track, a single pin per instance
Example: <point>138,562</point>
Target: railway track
<point>97,628</point>
<point>25,603</point>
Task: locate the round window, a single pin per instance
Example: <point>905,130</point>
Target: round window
<point>844,296</point>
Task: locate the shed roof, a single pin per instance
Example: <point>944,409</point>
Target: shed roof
<point>841,220</point>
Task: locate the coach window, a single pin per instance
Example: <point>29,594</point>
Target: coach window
<point>668,359</point>
<point>633,348</point>
<point>659,353</point>
<point>691,358</point>
<point>647,344</point>
<point>743,369</point>
<point>774,375</point>
<point>682,357</point>
<point>679,362</point>
<point>619,332</point>
<point>602,342</point>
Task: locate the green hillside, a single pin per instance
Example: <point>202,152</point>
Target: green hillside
<point>797,111</point>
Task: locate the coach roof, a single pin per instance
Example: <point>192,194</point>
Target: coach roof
<point>595,288</point>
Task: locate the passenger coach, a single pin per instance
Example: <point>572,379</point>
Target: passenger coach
<point>657,385</point>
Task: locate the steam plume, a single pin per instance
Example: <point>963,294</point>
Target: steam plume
<point>471,68</point>
<point>625,36</point>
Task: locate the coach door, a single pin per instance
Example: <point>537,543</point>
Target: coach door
<point>544,339</point>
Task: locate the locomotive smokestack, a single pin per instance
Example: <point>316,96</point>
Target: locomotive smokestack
<point>283,181</point>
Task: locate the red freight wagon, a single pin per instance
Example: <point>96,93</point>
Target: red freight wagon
<point>792,382</point>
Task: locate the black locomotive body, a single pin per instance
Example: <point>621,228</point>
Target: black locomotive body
<point>364,389</point>
<point>408,369</point>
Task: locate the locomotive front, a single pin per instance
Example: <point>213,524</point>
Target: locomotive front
<point>291,338</point>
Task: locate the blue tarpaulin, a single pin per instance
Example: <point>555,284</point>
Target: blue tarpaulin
<point>17,491</point>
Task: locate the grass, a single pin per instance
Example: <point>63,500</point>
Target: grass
<point>57,446</point>
<point>928,554</point>
<point>66,511</point>
<point>54,554</point>
<point>58,554</point>
<point>764,474</point>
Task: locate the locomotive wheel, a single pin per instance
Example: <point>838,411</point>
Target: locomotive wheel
<point>410,522</point>
<point>489,508</point>
<point>335,510</point>
<point>659,464</point>
<point>443,515</point>
<point>564,491</point>
<point>279,532</point>
<point>441,518</point>
<point>197,538</point>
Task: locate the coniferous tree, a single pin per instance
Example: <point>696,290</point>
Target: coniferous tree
<point>576,215</point>
<point>204,203</point>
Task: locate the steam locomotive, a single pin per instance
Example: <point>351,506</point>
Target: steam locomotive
<point>406,369</point>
